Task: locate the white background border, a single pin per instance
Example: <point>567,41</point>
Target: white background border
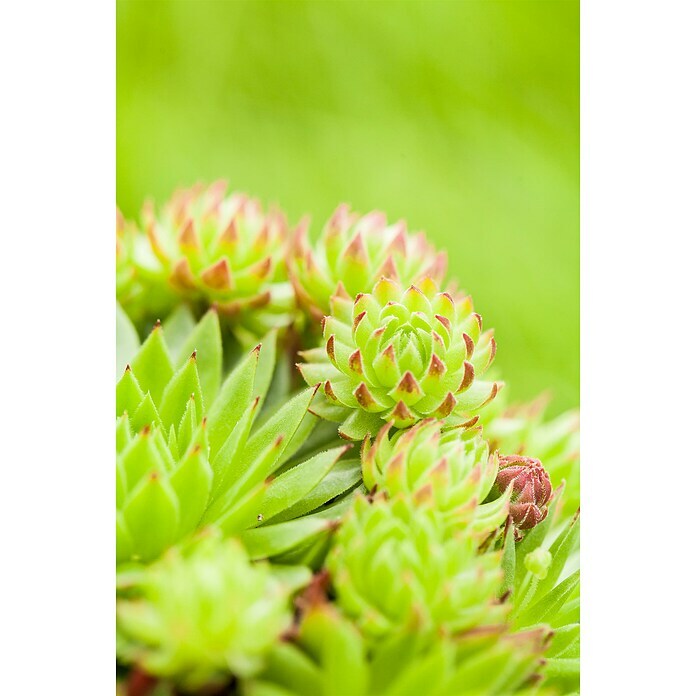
<point>57,162</point>
<point>57,63</point>
<point>638,125</point>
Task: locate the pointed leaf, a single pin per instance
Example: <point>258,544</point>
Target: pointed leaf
<point>191,482</point>
<point>547,607</point>
<point>152,516</point>
<point>145,414</point>
<point>228,455</point>
<point>290,487</point>
<point>234,398</point>
<point>345,474</point>
<point>183,385</point>
<point>264,542</point>
<point>206,341</point>
<point>359,424</point>
<point>129,395</point>
<point>152,365</point>
<point>292,667</point>
<point>266,366</point>
<point>124,541</point>
<point>284,423</point>
<point>560,550</point>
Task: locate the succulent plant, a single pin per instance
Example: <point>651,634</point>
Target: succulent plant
<point>329,656</point>
<point>203,612</point>
<point>450,471</point>
<point>400,355</point>
<point>354,253</point>
<point>441,567</point>
<point>530,487</point>
<point>396,568</point>
<point>205,248</point>
<point>182,463</point>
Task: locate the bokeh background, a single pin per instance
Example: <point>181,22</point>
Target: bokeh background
<point>461,117</point>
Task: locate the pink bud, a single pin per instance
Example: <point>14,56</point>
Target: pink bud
<point>531,489</point>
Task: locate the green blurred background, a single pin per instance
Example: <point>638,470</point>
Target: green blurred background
<point>461,117</point>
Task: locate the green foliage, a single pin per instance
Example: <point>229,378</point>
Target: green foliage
<point>182,464</point>
<point>543,578</point>
<point>439,559</point>
<point>330,657</point>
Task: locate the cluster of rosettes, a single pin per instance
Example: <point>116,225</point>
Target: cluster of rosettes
<point>204,248</point>
<point>397,346</point>
<point>420,553</point>
<point>401,355</point>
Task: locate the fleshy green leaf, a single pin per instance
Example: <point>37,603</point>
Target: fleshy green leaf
<point>232,401</point>
<point>264,542</point>
<point>291,666</point>
<point>509,559</point>
<point>545,609</point>
<point>360,423</point>
<point>226,458</point>
<point>345,474</point>
<point>191,483</point>
<point>129,395</point>
<point>290,487</point>
<point>560,550</point>
<point>342,652</point>
<point>124,541</point>
<point>181,387</point>
<point>283,425</point>
<point>141,457</point>
<point>206,341</point>
<point>152,365</point>
<point>145,415</point>
<point>187,427</point>
<point>266,366</point>
<point>152,516</point>
<point>229,498</point>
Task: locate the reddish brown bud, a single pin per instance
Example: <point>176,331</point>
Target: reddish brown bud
<point>531,489</point>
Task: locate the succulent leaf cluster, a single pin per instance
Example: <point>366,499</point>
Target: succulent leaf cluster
<point>451,472</point>
<point>401,354</point>
<point>205,247</point>
<point>261,552</point>
<point>353,253</point>
<point>395,567</point>
<point>203,611</point>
